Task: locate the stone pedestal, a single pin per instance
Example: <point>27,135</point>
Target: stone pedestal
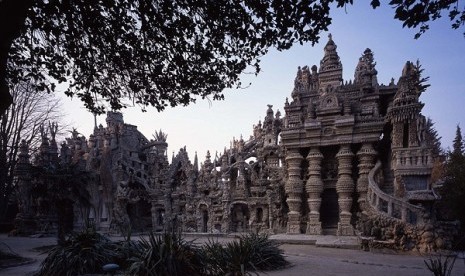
<point>345,187</point>
<point>314,187</point>
<point>293,188</point>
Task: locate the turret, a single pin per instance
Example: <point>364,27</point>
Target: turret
<point>365,72</point>
<point>23,180</point>
<point>405,111</point>
<point>330,75</point>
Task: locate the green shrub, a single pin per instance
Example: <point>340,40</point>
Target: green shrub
<point>265,254</point>
<point>441,265</point>
<point>125,253</point>
<point>213,258</point>
<point>81,253</point>
<point>250,253</point>
<point>167,254</point>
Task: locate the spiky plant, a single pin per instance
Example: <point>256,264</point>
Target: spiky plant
<point>166,254</point>
<point>213,258</point>
<point>441,265</point>
<point>249,254</point>
<point>265,254</point>
<point>81,253</point>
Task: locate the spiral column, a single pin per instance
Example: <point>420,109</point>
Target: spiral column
<point>314,187</point>
<point>294,189</point>
<point>366,155</point>
<point>345,188</point>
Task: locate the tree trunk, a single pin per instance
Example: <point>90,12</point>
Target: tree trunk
<point>12,17</point>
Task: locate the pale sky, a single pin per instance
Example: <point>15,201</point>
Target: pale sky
<point>212,125</point>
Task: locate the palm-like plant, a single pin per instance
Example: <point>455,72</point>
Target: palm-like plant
<point>249,254</point>
<point>166,254</point>
<point>84,252</point>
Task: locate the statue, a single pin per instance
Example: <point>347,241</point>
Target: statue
<point>421,129</point>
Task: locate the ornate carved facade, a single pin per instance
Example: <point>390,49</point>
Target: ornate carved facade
<point>344,154</point>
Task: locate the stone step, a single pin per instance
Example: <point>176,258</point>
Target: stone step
<point>332,241</point>
<point>330,231</point>
<point>388,185</point>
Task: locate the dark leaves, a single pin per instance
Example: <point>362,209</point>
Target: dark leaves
<point>158,53</point>
<point>168,53</point>
<point>419,13</point>
<point>375,4</point>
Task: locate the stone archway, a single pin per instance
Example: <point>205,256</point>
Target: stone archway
<point>203,216</point>
<point>204,221</point>
<point>158,218</point>
<point>240,215</point>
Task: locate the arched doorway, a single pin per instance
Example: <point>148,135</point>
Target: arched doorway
<point>204,221</point>
<point>203,211</point>
<point>240,217</point>
<point>329,210</point>
<point>140,215</point>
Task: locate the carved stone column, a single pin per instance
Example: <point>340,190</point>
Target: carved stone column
<point>314,189</point>
<point>294,187</point>
<point>345,187</point>
<point>366,155</point>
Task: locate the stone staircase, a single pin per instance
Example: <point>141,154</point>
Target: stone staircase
<point>388,205</point>
<point>388,181</point>
<point>329,231</point>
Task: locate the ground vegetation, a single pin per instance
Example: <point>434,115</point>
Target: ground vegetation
<point>163,254</point>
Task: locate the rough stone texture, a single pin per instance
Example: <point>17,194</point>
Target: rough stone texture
<point>352,159</point>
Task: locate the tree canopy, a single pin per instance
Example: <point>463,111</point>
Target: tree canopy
<point>162,53</point>
<point>453,190</point>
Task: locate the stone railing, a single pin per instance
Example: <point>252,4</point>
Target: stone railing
<point>389,205</point>
<point>413,158</point>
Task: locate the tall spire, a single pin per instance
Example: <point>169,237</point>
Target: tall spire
<point>330,74</point>
<point>331,58</point>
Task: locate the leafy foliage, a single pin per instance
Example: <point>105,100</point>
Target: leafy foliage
<point>453,190</point>
<point>251,252</point>
<point>441,265</point>
<point>84,252</point>
<point>414,13</point>
<point>168,53</point>
<point>458,147</point>
<point>167,254</point>
<point>164,53</point>
<point>433,139</point>
<point>159,53</point>
<point>125,252</point>
<point>214,258</point>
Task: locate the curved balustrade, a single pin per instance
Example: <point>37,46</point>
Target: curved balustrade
<point>413,158</point>
<point>390,205</point>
